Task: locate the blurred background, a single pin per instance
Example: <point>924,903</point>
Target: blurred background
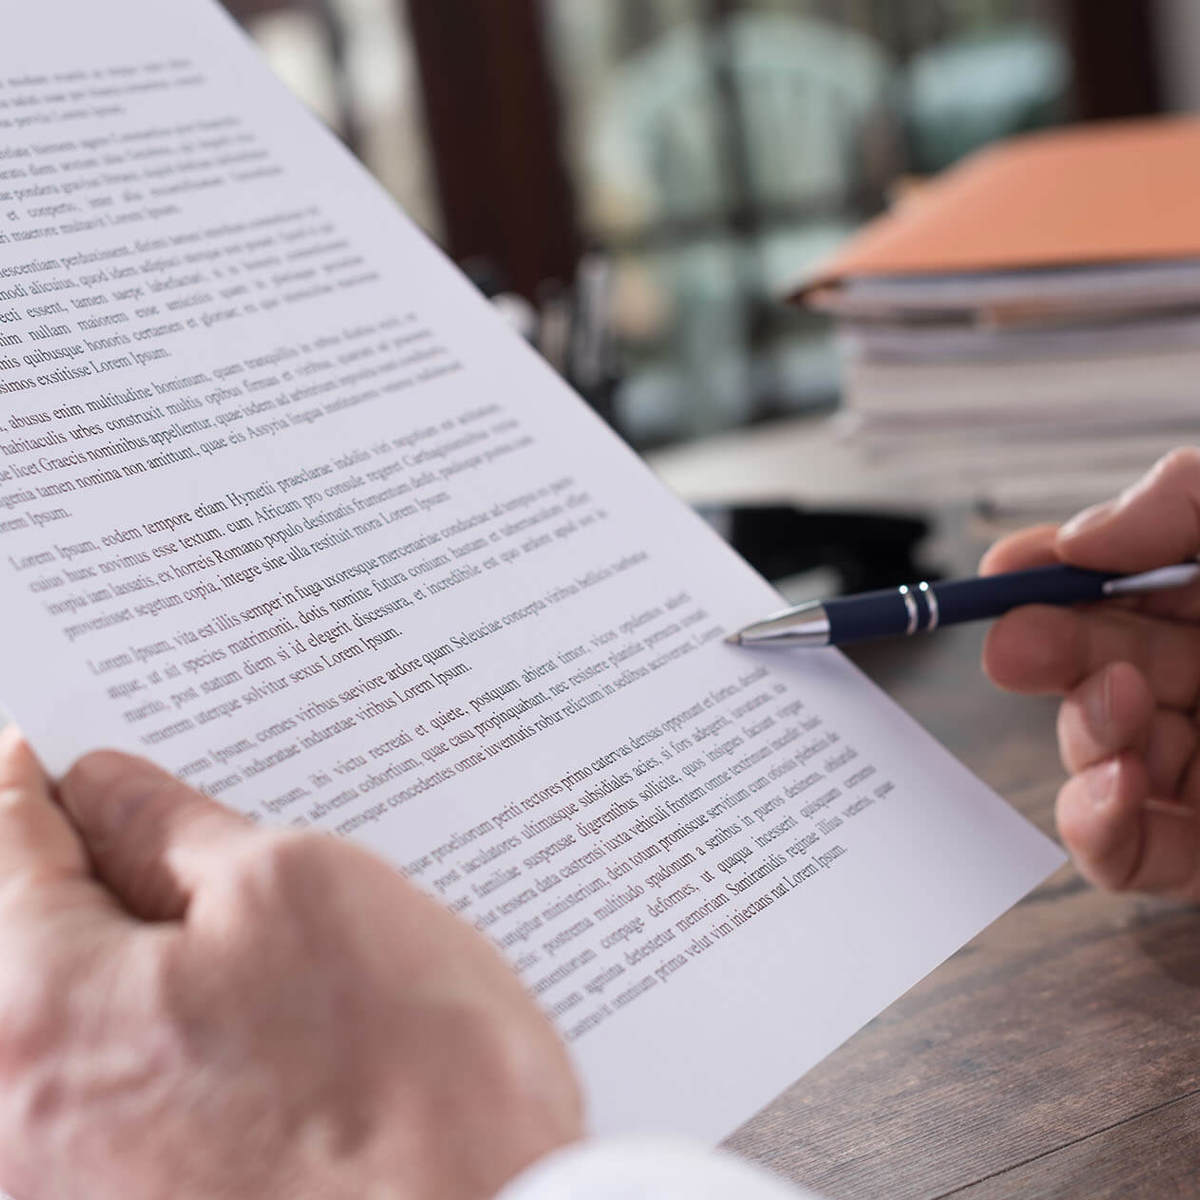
<point>651,175</point>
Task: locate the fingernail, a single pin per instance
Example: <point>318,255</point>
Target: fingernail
<point>1086,520</point>
<point>1102,783</point>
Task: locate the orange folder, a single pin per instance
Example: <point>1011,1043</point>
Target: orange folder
<point>1126,191</point>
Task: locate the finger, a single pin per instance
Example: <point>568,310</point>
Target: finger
<point>1044,650</point>
<point>1022,551</point>
<point>54,916</point>
<point>1121,837</point>
<point>152,839</point>
<point>1097,722</point>
<point>1170,753</point>
<point>46,883</point>
<point>1154,523</point>
<point>37,843</point>
<point>1038,547</point>
<point>1110,711</point>
<point>1099,815</point>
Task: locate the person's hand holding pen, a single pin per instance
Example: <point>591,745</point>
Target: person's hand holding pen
<point>1129,673</point>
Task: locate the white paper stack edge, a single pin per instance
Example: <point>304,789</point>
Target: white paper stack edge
<point>1032,392</point>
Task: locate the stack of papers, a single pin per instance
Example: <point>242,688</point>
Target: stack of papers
<point>1027,329</point>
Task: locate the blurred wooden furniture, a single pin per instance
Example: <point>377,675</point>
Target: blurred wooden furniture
<point>495,137</point>
<point>1058,1055</point>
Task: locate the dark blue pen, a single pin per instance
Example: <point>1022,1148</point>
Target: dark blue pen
<point>924,607</point>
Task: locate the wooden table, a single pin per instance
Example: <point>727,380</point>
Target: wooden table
<point>1058,1055</point>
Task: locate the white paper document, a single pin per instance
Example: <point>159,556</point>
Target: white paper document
<point>284,507</point>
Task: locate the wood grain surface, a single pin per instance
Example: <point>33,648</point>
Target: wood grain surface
<point>1057,1055</point>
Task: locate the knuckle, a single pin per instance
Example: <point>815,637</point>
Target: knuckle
<point>94,767</point>
<point>1064,810</point>
<point>1183,461</point>
<point>104,798</point>
<point>1066,740</point>
<point>1064,722</point>
<point>277,866</point>
<point>1109,863</point>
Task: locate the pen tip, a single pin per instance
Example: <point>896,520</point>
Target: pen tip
<point>734,639</point>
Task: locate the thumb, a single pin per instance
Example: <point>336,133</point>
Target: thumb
<point>42,860</point>
<point>152,839</point>
<point>1154,523</point>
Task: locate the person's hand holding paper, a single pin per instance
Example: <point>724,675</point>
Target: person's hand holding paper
<point>1129,673</point>
<point>195,1007</point>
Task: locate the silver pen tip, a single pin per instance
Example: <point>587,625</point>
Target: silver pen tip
<point>734,639</point>
<point>807,625</point>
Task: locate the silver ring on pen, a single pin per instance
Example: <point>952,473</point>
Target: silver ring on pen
<point>931,600</point>
<point>914,613</point>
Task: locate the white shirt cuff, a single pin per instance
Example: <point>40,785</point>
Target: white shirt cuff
<point>646,1168</point>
